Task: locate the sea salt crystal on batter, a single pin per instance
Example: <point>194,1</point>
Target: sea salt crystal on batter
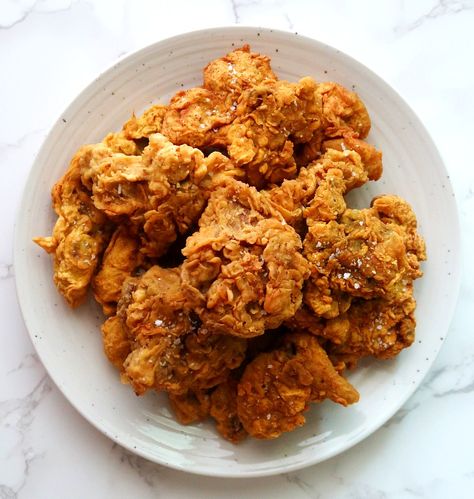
<point>356,285</point>
<point>158,322</point>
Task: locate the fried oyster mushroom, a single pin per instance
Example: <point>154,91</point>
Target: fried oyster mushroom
<point>169,351</point>
<point>80,233</point>
<point>243,271</point>
<point>370,253</point>
<point>277,387</point>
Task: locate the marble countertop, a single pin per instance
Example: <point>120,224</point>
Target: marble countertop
<point>49,49</point>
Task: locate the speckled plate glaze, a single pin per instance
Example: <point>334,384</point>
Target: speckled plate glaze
<point>69,342</point>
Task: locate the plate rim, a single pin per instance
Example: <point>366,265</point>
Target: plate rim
<point>20,283</point>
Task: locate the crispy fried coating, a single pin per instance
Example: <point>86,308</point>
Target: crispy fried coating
<point>365,254</point>
<point>80,233</point>
<point>271,117</point>
<point>176,364</point>
<point>223,410</point>
<point>237,71</point>
<point>243,270</point>
<point>195,116</point>
<point>120,259</point>
<point>154,305</point>
<point>162,192</point>
<point>277,387</point>
<point>117,345</point>
<point>317,192</point>
<point>190,407</point>
<point>150,122</point>
<point>371,157</point>
<point>342,110</point>
<point>377,328</point>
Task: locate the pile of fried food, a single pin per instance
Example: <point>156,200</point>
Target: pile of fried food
<point>282,286</point>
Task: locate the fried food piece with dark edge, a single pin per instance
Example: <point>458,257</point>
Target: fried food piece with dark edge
<point>243,270</point>
<point>224,411</point>
<point>190,407</point>
<point>277,387</point>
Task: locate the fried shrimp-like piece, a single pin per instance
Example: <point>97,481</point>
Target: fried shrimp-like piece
<point>270,118</point>
<point>277,387</point>
<point>243,270</point>
<point>120,259</point>
<point>190,407</point>
<point>378,328</point>
<point>81,231</point>
<point>223,410</point>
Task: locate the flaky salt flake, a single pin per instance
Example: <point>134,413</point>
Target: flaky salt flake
<point>346,275</point>
<point>356,285</point>
<point>202,125</point>
<point>158,322</point>
<point>379,327</point>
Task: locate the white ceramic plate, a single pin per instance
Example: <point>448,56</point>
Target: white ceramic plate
<point>69,342</point>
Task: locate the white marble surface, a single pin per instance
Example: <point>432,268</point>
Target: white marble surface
<point>49,49</point>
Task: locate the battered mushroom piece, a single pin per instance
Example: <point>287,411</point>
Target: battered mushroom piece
<point>195,116</point>
<point>150,122</point>
<point>305,320</point>
<point>120,259</point>
<point>162,192</point>
<point>120,143</point>
<point>343,110</point>
<point>237,71</point>
<point>367,253</point>
<point>190,407</point>
<point>154,305</point>
<point>277,387</point>
<point>80,233</point>
<point>224,411</point>
<point>271,117</point>
<point>371,157</point>
<point>198,360</point>
<point>317,192</point>
<point>243,271</point>
<point>116,342</point>
<point>378,328</point>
